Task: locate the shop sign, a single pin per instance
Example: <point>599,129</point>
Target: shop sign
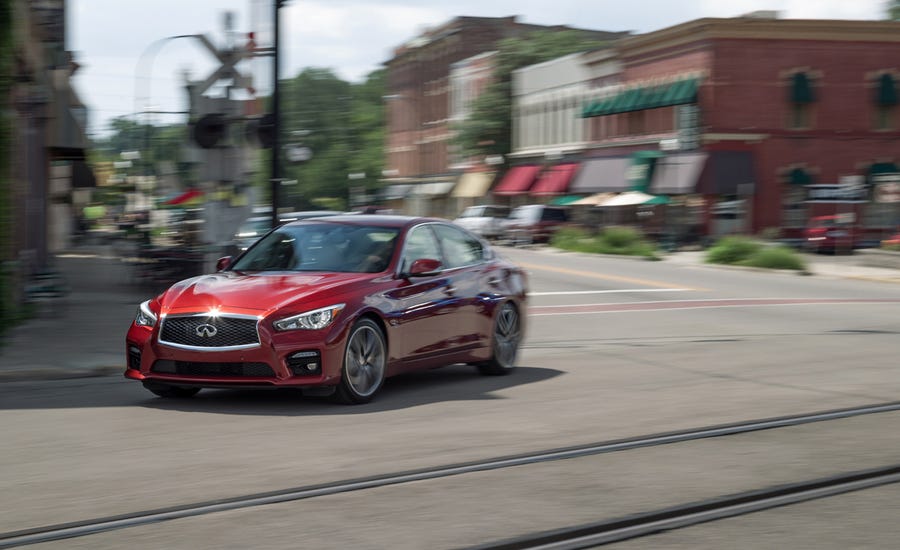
<point>836,192</point>
<point>887,187</point>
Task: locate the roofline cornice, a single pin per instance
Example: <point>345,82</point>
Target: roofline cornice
<point>749,28</point>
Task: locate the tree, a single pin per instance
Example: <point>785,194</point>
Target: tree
<point>488,130</point>
<point>893,10</point>
<point>343,125</point>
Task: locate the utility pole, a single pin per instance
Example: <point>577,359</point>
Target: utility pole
<point>276,115</point>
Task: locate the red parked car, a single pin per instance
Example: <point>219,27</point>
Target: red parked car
<point>830,234</point>
<point>334,306</point>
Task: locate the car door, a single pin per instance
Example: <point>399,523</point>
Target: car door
<point>423,308</point>
<point>471,279</point>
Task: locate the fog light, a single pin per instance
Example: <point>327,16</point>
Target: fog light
<point>134,358</point>
<point>304,363</point>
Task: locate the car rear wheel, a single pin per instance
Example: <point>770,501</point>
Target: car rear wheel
<point>171,392</point>
<point>505,341</point>
<point>365,359</point>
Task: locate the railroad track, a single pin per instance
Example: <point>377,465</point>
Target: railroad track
<point>581,536</point>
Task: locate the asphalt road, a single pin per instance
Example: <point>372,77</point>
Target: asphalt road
<point>616,348</point>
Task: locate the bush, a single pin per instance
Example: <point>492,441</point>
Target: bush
<point>732,250</point>
<point>612,240</point>
<point>776,257</point>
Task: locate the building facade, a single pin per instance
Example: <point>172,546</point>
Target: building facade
<point>420,103</point>
<point>771,121</point>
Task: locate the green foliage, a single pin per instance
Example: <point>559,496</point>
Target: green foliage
<point>775,257</point>
<point>749,252</point>
<point>732,250</point>
<point>487,131</point>
<point>343,124</point>
<point>893,10</point>
<point>623,241</point>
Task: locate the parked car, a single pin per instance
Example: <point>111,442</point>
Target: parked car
<point>256,226</point>
<point>534,223</point>
<point>333,306</point>
<point>832,233</point>
<point>485,220</point>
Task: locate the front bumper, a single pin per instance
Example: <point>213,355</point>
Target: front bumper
<point>288,359</point>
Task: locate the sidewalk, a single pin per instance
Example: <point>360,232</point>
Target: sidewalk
<point>79,334</point>
<point>83,333</point>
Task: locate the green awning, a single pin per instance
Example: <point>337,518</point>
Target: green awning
<point>799,176</point>
<point>883,168</point>
<point>680,92</point>
<point>566,199</point>
<point>886,92</point>
<point>801,89</point>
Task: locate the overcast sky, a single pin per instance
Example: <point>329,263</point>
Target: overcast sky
<point>125,68</point>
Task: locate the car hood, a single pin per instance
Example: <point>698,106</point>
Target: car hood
<point>255,294</point>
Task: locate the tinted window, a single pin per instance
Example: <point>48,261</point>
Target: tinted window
<point>554,215</point>
<point>496,211</point>
<point>459,247</point>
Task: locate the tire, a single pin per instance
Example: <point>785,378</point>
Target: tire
<point>171,392</point>
<point>505,342</point>
<point>365,361</point>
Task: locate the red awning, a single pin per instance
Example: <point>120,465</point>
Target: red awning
<point>517,180</point>
<point>187,196</point>
<point>555,180</point>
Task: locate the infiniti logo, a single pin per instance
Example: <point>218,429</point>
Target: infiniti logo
<point>206,331</point>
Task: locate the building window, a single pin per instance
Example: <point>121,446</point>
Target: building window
<point>793,205</point>
<point>885,102</point>
<point>801,96</point>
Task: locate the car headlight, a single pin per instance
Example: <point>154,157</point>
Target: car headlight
<point>311,320</point>
<point>145,317</point>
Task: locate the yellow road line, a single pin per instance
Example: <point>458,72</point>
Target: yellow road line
<point>618,278</point>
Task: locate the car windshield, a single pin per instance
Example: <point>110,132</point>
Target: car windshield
<point>314,246</point>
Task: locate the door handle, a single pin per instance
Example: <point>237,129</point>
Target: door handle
<point>449,290</point>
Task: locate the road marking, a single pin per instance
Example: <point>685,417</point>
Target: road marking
<point>605,277</point>
<point>621,291</point>
<point>582,309</point>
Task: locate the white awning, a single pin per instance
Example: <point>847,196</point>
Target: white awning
<point>432,189</point>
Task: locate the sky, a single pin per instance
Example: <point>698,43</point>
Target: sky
<point>128,66</point>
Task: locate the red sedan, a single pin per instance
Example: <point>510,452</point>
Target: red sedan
<point>334,306</point>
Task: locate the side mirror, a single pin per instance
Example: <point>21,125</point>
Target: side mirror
<point>424,267</point>
<point>223,263</point>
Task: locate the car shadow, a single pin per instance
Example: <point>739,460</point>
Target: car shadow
<point>452,383</point>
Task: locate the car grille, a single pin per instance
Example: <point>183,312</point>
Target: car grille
<point>197,368</point>
<point>201,331</point>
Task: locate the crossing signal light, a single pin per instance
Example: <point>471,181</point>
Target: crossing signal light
<point>209,130</point>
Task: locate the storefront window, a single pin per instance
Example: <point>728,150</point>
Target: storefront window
<point>793,212</point>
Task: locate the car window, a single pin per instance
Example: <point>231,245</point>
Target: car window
<point>496,212</point>
<point>420,243</point>
<point>321,247</point>
<point>459,247</point>
<point>554,215</point>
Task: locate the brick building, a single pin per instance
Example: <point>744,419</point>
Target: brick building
<point>419,102</point>
<point>771,121</point>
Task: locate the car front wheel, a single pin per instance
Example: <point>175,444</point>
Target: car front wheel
<point>505,341</point>
<point>365,360</point>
